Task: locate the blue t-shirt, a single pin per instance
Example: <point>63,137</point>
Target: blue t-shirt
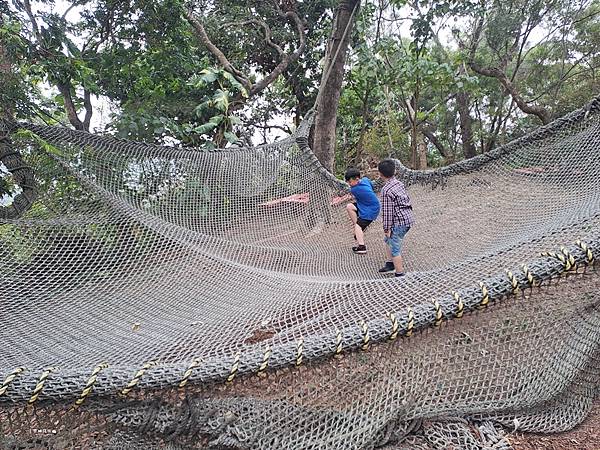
<point>367,202</point>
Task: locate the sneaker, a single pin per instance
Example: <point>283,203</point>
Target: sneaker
<point>388,268</point>
<point>400,274</point>
<point>360,249</point>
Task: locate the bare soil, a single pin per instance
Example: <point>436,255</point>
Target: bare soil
<point>585,436</point>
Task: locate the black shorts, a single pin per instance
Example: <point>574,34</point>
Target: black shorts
<point>362,223</point>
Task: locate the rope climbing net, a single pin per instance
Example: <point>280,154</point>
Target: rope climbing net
<point>163,297</point>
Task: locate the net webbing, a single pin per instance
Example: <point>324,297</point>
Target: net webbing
<point>143,277</point>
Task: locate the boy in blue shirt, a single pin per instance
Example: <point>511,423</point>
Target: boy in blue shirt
<point>366,208</point>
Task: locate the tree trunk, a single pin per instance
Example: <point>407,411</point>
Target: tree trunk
<point>6,76</point>
<point>463,101</point>
<point>466,124</point>
<point>331,82</point>
<point>421,151</point>
<point>418,148</point>
<point>414,151</point>
<point>71,110</point>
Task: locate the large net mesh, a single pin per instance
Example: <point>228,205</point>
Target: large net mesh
<point>158,297</point>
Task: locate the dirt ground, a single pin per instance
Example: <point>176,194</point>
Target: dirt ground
<point>586,436</point>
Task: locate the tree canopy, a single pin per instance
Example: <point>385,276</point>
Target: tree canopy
<point>429,82</point>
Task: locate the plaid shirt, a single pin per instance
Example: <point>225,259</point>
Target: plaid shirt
<point>395,205</point>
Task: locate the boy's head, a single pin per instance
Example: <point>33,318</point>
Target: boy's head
<point>352,176</point>
<point>387,169</point>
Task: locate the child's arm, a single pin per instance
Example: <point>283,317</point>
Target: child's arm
<point>387,212</point>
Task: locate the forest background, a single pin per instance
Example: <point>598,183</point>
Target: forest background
<point>427,82</point>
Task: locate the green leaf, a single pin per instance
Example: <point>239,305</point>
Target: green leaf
<point>205,128</point>
<point>216,119</point>
<point>198,110</point>
<point>232,138</point>
<point>235,83</point>
<point>72,48</point>
<point>209,75</point>
<point>31,136</point>
<point>221,100</point>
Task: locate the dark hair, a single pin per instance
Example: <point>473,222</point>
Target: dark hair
<point>352,172</point>
<point>387,168</point>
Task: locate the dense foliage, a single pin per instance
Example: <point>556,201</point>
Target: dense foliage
<point>429,82</point>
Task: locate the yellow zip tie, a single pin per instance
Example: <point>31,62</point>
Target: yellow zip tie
<point>460,307</point>
<point>136,378</point>
<point>10,378</point>
<point>234,368</point>
<point>513,282</point>
<point>299,350</point>
<point>89,385</point>
<point>365,335</point>
<point>338,342</point>
<point>588,252</point>
<point>528,275</point>
<point>570,259</point>
<point>438,313</point>
<point>410,324</point>
<point>40,384</point>
<point>558,256</point>
<point>395,326</point>
<point>485,296</point>
<point>265,361</point>
<point>188,372</point>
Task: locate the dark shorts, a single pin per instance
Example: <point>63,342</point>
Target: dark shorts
<point>362,223</point>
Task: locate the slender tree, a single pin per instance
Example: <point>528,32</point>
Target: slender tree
<point>328,98</point>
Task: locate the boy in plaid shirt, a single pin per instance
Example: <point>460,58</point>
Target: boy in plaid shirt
<point>396,211</point>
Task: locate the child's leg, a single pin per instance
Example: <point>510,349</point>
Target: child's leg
<point>388,250</point>
<point>395,247</point>
<point>360,235</point>
<point>352,212</point>
<point>397,260</point>
<point>389,265</point>
<point>358,232</point>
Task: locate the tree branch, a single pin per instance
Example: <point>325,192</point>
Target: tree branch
<point>87,103</point>
<point>201,33</point>
<point>71,6</point>
<point>286,60</point>
<point>267,32</point>
<point>65,90</point>
<point>36,30</point>
<point>494,72</point>
<point>428,133</point>
<point>272,127</point>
